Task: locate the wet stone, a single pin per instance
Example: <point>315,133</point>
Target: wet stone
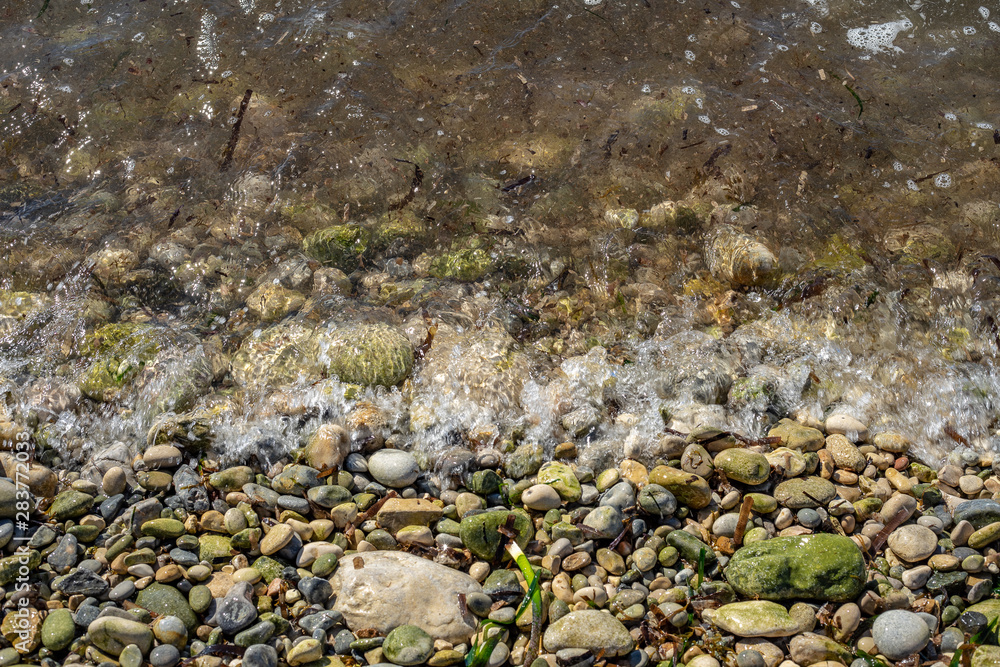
<point>81,582</point>
<point>63,557</point>
<point>657,500</point>
<point>393,468</point>
<point>235,611</point>
<point>804,492</point>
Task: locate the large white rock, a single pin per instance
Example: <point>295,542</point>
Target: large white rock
<point>386,589</point>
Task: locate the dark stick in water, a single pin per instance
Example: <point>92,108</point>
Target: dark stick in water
<point>227,155</point>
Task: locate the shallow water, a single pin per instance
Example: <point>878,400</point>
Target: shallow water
<point>163,160</point>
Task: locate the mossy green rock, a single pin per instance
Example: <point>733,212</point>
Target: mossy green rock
<point>58,629</point>
<point>742,465</point>
<point>167,601</point>
<point>340,246</point>
<point>164,528</point>
<point>561,478</point>
<point>802,492</point>
<point>269,568</point>
<point>796,436</point>
<point>465,264</point>
<point>211,547</point>
<point>525,460</point>
<point>815,567</point>
<point>118,353</point>
<point>231,479</point>
<point>986,656</point>
<point>762,618</point>
<point>408,645</point>
<point>368,354</point>
<point>199,597</point>
<point>480,532</point>
<point>70,504</point>
<point>690,547</point>
<point>689,489</point>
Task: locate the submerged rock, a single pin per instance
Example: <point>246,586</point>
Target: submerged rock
<point>736,257</point>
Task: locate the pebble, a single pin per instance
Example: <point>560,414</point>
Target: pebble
<point>899,633</point>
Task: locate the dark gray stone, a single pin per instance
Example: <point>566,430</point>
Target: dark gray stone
<point>63,557</point>
<point>315,590</point>
<point>81,582</point>
<point>167,656</point>
<point>236,612</point>
<point>191,490</point>
<point>260,655</point>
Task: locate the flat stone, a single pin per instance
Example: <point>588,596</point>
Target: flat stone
<point>81,582</point>
<point>588,629</point>
<point>479,532</point>
<point>848,426</point>
<point>396,513</point>
<point>979,513</point>
<point>386,589</point>
<point>235,611</point>
<point>796,436</point>
<point>761,618</point>
<point>805,492</point>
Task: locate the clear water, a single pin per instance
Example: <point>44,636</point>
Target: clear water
<point>198,142</point>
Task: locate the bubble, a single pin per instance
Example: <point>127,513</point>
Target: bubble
<point>984,126</point>
<point>139,37</point>
<point>734,4</point>
<point>994,27</point>
<point>689,55</point>
<point>782,47</point>
<point>815,28</point>
<point>688,90</point>
<point>950,116</point>
<point>692,38</point>
<point>984,12</point>
<point>969,30</point>
<point>943,180</point>
<point>646,88</point>
<point>723,131</point>
<point>912,185</point>
<point>705,119</point>
<point>878,37</point>
<point>897,165</point>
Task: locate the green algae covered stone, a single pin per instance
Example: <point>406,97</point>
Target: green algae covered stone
<point>70,504</point>
<point>815,567</point>
<point>688,488</point>
<point>167,601</point>
<point>368,354</point>
<point>744,466</point>
<point>480,532</point>
<point>561,478</point>
<point>340,246</point>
